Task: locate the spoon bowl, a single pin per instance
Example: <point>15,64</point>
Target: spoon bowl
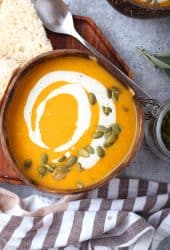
<point>56,16</point>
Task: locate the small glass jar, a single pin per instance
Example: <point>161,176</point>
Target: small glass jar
<point>153,134</point>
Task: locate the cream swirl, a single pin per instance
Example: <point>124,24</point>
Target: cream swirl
<point>77,86</point>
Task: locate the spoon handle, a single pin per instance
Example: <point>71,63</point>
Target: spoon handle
<point>144,97</point>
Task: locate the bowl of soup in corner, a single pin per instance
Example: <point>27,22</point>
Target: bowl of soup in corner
<point>67,124</point>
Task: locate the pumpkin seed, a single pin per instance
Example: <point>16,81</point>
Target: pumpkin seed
<point>102,128</point>
<point>44,159</point>
<point>64,169</point>
<point>49,168</point>
<point>79,185</point>
<point>83,153</point>
<point>27,163</point>
<point>115,93</point>
<point>107,110</point>
<point>72,160</point>
<point>116,128</point>
<point>62,158</point>
<point>125,109</point>
<point>100,151</point>
<point>92,98</point>
<point>59,176</point>
<point>108,133</point>
<point>90,149</point>
<point>81,169</point>
<point>42,170</point>
<point>98,134</point>
<point>109,93</point>
<point>110,140</point>
<point>107,144</point>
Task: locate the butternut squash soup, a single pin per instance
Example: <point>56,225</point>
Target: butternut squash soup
<point>70,123</point>
<point>154,2</point>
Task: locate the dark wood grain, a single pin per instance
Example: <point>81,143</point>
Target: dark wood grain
<point>92,33</point>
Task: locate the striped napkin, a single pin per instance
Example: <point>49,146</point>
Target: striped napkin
<point>125,214</point>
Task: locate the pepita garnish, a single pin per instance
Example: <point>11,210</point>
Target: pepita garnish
<point>44,159</point>
<point>100,151</point>
<point>59,176</point>
<point>108,133</point>
<point>42,170</point>
<point>49,168</point>
<point>27,163</point>
<point>62,158</point>
<point>110,140</point>
<point>83,153</point>
<point>79,166</point>
<point>116,128</point>
<point>64,169</point>
<point>102,128</point>
<point>109,93</point>
<point>90,149</point>
<point>72,160</point>
<point>92,99</point>
<point>79,185</point>
<point>107,110</point>
<point>115,93</point>
<point>98,134</point>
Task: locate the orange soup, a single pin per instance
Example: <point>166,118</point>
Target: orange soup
<point>163,3</point>
<point>70,123</point>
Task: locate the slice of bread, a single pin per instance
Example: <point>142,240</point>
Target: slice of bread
<point>22,37</point>
<point>7,70</point>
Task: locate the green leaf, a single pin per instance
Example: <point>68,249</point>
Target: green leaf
<point>165,58</point>
<point>159,61</point>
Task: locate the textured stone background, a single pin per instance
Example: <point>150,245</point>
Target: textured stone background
<point>126,34</point>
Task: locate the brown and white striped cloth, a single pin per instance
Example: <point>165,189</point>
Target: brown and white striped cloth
<point>125,214</point>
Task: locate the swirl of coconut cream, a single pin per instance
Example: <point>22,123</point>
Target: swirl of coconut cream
<point>77,84</point>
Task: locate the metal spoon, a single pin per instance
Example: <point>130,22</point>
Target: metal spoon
<point>56,17</point>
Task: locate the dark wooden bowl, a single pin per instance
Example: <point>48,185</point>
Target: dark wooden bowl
<point>133,9</point>
<point>4,136</point>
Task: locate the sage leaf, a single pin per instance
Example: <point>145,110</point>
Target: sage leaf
<point>162,61</point>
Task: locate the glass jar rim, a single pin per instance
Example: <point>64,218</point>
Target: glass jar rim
<point>164,110</point>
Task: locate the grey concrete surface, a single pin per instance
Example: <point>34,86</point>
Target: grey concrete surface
<point>126,34</point>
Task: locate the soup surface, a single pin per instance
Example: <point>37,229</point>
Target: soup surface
<point>70,123</point>
<point>154,2</point>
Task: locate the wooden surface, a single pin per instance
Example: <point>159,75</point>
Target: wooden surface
<point>88,29</point>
